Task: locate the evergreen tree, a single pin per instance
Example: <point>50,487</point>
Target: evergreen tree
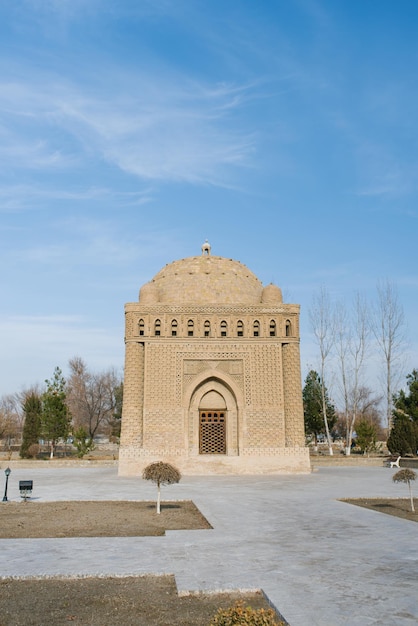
<point>313,406</point>
<point>403,438</point>
<point>55,414</point>
<point>407,403</point>
<point>366,436</point>
<point>32,409</point>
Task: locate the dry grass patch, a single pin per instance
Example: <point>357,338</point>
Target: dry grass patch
<point>131,601</point>
<point>105,601</point>
<point>96,519</point>
<point>399,507</point>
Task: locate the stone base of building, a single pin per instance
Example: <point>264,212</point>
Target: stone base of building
<point>252,461</point>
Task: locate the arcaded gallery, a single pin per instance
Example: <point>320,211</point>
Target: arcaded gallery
<point>212,373</point>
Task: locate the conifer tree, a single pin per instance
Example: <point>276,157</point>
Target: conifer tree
<point>55,414</point>
<point>32,409</point>
<point>366,435</point>
<point>313,406</point>
<point>403,438</point>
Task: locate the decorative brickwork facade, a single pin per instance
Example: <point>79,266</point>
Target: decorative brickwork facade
<point>212,373</point>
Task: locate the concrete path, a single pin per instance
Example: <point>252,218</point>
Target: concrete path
<point>320,561</point>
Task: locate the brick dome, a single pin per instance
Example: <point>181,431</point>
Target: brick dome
<point>204,279</point>
<point>271,294</point>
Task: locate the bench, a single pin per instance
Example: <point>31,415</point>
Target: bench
<point>392,462</point>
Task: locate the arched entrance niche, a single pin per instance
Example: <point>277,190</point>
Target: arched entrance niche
<point>213,419</point>
<point>212,423</point>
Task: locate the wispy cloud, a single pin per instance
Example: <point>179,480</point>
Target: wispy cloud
<point>165,130</point>
<point>34,153</point>
<point>169,133</point>
<point>22,197</point>
<point>83,244</point>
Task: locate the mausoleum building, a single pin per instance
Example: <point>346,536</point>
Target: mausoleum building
<point>212,373</point>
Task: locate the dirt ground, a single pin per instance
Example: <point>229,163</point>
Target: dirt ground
<point>96,519</point>
<point>131,601</point>
<point>105,601</point>
<point>399,507</point>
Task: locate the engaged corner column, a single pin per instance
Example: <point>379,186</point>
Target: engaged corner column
<point>133,396</point>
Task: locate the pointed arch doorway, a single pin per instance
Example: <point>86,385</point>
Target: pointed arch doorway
<point>215,434</point>
<point>212,424</point>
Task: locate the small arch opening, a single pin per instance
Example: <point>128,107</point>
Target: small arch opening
<point>157,328</point>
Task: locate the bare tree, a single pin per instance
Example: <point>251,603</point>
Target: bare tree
<point>10,419</point>
<point>322,321</point>
<point>389,331</point>
<point>161,474</point>
<point>368,409</point>
<point>91,397</point>
<point>352,334</point>
<point>342,341</point>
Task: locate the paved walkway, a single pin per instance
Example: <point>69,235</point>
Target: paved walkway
<point>320,561</point>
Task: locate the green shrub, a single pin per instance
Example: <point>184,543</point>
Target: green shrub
<point>245,616</point>
<point>83,442</point>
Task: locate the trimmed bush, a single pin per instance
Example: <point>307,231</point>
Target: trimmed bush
<point>245,616</point>
<point>406,476</point>
<point>161,474</point>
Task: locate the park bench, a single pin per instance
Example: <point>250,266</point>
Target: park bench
<point>393,462</point>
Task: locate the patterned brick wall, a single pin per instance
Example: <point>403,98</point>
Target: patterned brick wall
<point>264,428</point>
<point>250,356</point>
<point>133,394</point>
<point>292,385</point>
<point>264,376</point>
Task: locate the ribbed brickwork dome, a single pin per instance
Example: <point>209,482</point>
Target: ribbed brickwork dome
<point>204,279</point>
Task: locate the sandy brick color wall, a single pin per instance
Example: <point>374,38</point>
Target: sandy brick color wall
<point>206,330</point>
<point>292,385</point>
<point>133,392</point>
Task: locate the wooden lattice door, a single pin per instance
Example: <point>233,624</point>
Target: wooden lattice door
<point>212,432</point>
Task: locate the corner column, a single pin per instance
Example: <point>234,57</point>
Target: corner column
<point>293,403</point>
<point>133,400</point>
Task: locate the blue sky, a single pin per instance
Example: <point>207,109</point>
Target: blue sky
<point>284,132</point>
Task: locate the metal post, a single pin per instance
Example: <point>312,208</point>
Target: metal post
<point>7,471</point>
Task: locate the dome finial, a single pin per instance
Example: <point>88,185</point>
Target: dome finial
<point>206,247</point>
